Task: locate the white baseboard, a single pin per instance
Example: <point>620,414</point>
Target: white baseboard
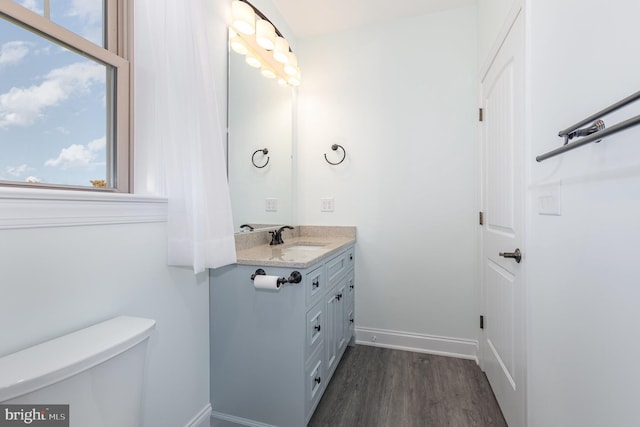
<point>202,418</point>
<point>238,420</point>
<point>443,346</point>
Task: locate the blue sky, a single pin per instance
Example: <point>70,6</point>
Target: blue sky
<point>52,100</point>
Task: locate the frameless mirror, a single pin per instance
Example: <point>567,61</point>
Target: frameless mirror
<point>260,117</point>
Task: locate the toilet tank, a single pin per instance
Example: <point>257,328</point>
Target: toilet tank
<point>97,371</point>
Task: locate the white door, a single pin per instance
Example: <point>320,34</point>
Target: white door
<point>502,339</point>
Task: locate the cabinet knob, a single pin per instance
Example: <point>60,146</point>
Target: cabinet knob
<point>338,296</point>
<point>351,320</point>
<point>315,284</point>
<point>317,380</point>
<point>317,328</point>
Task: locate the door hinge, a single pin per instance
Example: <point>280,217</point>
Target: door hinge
<point>480,114</point>
<point>481,218</point>
<point>481,322</point>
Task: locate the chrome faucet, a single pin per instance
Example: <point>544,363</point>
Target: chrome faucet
<point>276,236</point>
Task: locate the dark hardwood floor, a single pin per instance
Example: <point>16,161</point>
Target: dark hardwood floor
<point>376,387</point>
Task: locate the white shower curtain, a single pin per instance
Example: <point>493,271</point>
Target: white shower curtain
<point>178,131</point>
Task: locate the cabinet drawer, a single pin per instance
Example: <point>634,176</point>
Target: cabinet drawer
<point>351,257</point>
<point>314,284</point>
<point>336,267</point>
<point>316,328</point>
<point>314,384</point>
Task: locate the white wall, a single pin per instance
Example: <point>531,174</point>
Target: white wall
<point>584,283</point>
<point>401,100</point>
<point>491,23</point>
<point>57,280</point>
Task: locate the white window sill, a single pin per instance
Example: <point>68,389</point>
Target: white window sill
<point>32,208</point>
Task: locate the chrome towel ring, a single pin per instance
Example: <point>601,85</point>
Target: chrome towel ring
<point>335,147</point>
<point>265,151</point>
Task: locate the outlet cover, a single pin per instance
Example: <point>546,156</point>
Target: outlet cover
<point>550,199</point>
<point>326,204</point>
<point>271,205</point>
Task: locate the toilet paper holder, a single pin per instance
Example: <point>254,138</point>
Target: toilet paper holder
<point>294,277</point>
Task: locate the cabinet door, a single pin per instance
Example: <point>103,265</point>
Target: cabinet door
<point>335,312</point>
<point>331,336</point>
<point>349,321</point>
<point>341,332</point>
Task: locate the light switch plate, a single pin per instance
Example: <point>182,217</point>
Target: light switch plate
<point>326,204</point>
<point>550,199</point>
<point>271,205</point>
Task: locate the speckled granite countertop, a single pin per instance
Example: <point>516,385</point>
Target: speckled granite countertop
<point>303,247</point>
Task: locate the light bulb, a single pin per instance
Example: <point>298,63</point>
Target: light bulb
<point>281,50</point>
<point>265,34</point>
<point>239,47</point>
<point>294,80</point>
<point>268,72</point>
<point>243,16</point>
<point>253,61</point>
<point>237,44</point>
<point>291,67</point>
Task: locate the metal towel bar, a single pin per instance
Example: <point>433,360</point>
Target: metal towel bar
<point>599,134</point>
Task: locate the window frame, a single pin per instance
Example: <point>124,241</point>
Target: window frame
<point>117,54</point>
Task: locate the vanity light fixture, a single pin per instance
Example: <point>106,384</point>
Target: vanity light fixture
<point>251,34</point>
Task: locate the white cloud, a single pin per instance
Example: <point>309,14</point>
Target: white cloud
<point>78,156</point>
<point>89,13</point>
<point>17,170</point>
<point>12,52</point>
<point>46,50</point>
<point>89,10</point>
<point>23,106</point>
<point>97,144</point>
<point>63,130</point>
<point>33,179</point>
<point>81,73</point>
<point>32,6</point>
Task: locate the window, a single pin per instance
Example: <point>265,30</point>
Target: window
<point>64,94</point>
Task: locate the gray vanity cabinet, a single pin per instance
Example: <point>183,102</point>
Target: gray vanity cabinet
<point>274,352</point>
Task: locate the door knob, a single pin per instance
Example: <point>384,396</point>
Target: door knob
<point>517,255</point>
